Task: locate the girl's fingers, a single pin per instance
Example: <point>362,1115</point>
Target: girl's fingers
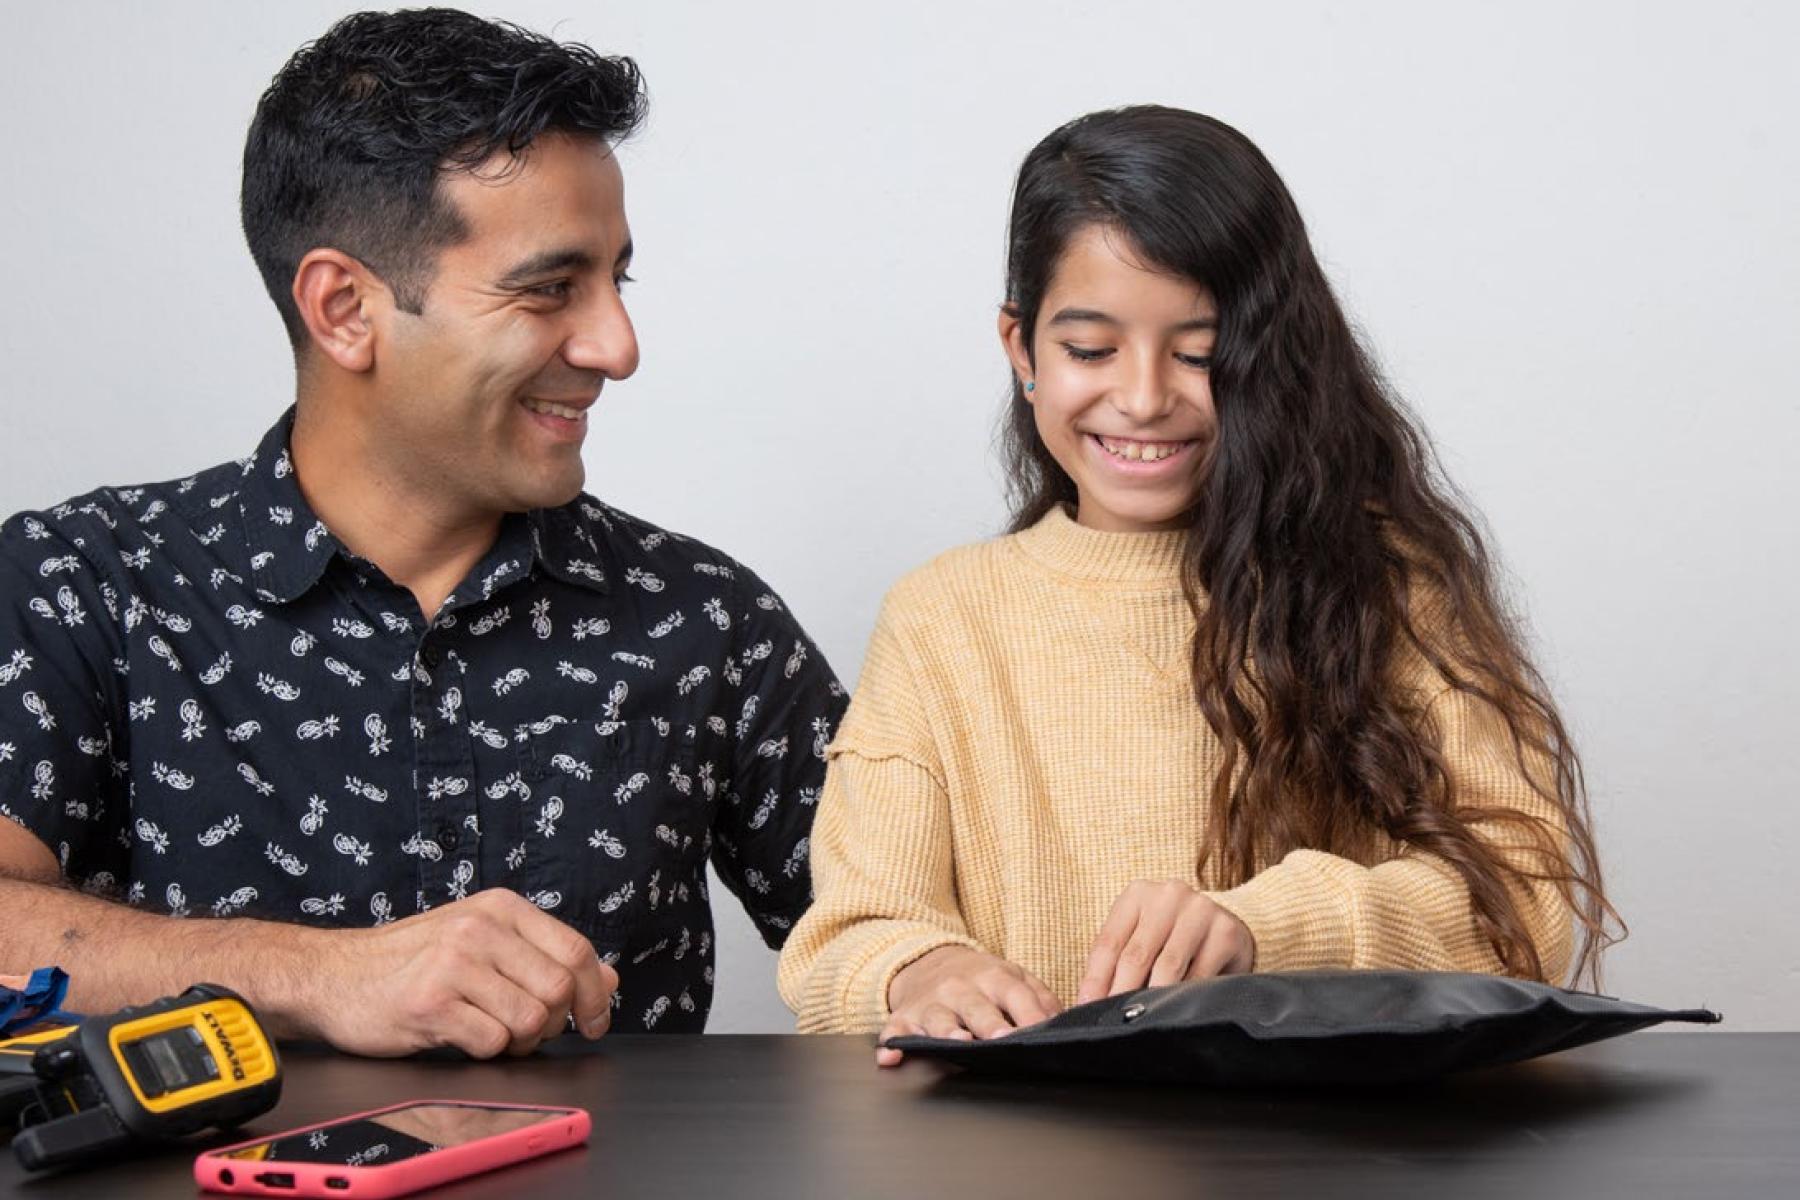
<point>1132,971</point>
<point>1103,959</point>
<point>897,1026</point>
<point>1224,945</point>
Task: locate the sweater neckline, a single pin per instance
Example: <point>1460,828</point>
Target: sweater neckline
<point>1096,556</point>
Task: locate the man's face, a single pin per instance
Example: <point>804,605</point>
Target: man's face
<point>482,397</point>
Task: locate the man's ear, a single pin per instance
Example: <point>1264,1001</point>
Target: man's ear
<point>1012,340</point>
<point>333,291</point>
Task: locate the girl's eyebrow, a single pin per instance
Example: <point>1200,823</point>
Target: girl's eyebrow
<point>1076,316</point>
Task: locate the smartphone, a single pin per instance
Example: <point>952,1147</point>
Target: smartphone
<point>392,1151</point>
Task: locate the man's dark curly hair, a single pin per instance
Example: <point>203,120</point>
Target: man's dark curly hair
<point>349,142</point>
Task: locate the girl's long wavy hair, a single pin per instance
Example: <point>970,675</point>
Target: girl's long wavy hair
<point>1324,547</point>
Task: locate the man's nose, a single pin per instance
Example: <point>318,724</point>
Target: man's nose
<point>603,339</point>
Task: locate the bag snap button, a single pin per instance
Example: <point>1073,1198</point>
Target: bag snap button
<point>1133,1012</point>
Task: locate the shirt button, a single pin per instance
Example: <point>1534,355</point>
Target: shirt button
<point>447,837</point>
<point>431,656</point>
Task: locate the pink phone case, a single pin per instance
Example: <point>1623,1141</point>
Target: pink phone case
<point>239,1177</point>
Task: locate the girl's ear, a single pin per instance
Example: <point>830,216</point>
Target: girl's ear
<point>1012,340</point>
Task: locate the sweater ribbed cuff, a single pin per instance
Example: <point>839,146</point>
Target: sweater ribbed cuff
<point>862,1005</point>
<point>1301,918</point>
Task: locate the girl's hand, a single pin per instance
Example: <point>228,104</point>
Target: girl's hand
<point>956,992</point>
<point>1162,933</point>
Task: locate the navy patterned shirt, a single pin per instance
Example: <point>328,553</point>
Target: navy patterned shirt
<point>209,706</point>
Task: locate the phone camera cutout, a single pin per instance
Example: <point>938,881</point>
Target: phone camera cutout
<point>226,1177</point>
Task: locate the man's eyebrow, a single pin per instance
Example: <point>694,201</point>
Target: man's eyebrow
<point>1077,316</point>
<point>547,262</point>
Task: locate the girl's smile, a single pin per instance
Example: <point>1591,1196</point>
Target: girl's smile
<point>1141,458</point>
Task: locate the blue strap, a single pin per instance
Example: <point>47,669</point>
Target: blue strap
<point>41,998</point>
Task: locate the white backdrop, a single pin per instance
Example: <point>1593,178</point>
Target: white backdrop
<point>1569,232</point>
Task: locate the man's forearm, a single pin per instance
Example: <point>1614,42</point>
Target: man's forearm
<point>117,955</point>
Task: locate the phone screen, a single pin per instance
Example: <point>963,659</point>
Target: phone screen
<point>393,1136</point>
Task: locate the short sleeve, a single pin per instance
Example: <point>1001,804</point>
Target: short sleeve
<point>788,707</point>
<point>62,726</point>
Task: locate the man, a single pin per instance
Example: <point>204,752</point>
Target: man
<point>441,743</point>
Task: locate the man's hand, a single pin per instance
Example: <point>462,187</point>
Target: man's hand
<point>956,992</point>
<point>1162,933</point>
<point>485,974</point>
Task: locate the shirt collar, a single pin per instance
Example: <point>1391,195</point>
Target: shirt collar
<point>289,547</point>
<point>568,543</point>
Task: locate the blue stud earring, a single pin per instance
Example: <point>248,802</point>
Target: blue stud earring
<point>1030,387</point>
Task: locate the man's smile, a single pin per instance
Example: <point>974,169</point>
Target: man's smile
<point>568,410</point>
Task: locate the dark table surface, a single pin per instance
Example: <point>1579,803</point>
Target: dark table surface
<point>1656,1114</point>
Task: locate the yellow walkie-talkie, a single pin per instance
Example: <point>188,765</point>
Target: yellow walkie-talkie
<point>190,1062</point>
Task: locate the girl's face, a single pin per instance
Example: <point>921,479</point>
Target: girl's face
<point>1122,398</point>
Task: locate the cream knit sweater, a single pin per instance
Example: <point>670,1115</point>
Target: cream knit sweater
<point>1024,743</point>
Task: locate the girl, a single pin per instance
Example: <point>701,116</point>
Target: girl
<point>1237,692</point>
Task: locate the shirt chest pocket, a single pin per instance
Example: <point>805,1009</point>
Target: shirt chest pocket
<point>611,824</point>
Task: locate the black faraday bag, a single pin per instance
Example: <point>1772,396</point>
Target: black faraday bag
<point>1306,1027</point>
